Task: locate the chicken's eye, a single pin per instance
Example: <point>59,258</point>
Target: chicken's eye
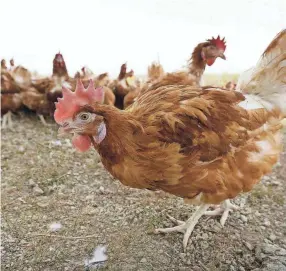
<point>84,116</point>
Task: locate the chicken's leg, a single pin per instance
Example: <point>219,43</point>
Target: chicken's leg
<point>42,119</point>
<point>4,121</point>
<point>9,119</point>
<point>188,226</point>
<point>223,210</point>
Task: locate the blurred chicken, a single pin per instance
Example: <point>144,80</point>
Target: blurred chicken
<point>43,93</point>
<point>203,144</point>
<point>21,75</point>
<point>124,83</point>
<point>3,65</point>
<point>155,73</point>
<point>12,64</point>
<point>230,86</point>
<point>86,74</point>
<point>101,80</point>
<point>205,53</point>
<point>11,99</point>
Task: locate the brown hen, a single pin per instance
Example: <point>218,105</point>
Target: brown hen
<point>205,145</point>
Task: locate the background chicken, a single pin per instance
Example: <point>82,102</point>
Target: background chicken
<point>3,65</point>
<point>12,64</point>
<point>11,98</point>
<point>155,73</point>
<point>43,93</point>
<point>21,75</point>
<point>205,145</point>
<point>124,83</point>
<point>205,53</point>
<point>230,85</point>
<point>14,81</point>
<point>102,80</point>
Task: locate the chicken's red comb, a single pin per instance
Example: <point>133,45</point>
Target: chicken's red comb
<point>220,44</point>
<point>72,101</point>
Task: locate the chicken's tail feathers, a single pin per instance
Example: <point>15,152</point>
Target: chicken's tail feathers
<point>267,80</point>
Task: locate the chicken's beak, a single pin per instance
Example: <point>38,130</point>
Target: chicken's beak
<point>64,131</point>
<point>221,55</point>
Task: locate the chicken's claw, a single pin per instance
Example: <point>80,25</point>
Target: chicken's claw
<point>185,227</point>
<point>224,209</point>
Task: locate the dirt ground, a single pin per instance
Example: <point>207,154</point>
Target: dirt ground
<point>44,181</point>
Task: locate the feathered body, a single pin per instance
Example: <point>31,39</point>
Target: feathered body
<point>193,142</point>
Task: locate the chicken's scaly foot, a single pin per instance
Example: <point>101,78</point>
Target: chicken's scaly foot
<point>186,227</point>
<point>4,121</point>
<point>223,210</point>
<point>42,119</point>
<point>7,121</point>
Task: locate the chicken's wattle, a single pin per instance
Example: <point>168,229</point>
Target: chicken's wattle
<point>210,61</point>
<point>81,142</point>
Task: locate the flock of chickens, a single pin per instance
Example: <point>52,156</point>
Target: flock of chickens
<point>22,89</point>
<point>203,144</point>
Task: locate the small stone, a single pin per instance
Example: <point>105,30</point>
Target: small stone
<point>281,252</point>
<point>43,201</point>
<point>143,260</point>
<point>257,213</point>
<point>182,256</point>
<point>249,246</point>
<point>21,149</point>
<point>266,223</point>
<point>89,210</point>
<point>89,197</point>
<point>38,191</point>
<point>269,249</point>
<point>101,189</point>
<point>205,236</point>
<point>272,237</point>
<point>31,183</point>
<point>243,218</point>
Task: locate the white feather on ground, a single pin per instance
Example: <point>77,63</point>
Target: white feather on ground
<point>99,257</point>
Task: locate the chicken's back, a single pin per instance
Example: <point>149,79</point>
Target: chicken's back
<point>217,148</point>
